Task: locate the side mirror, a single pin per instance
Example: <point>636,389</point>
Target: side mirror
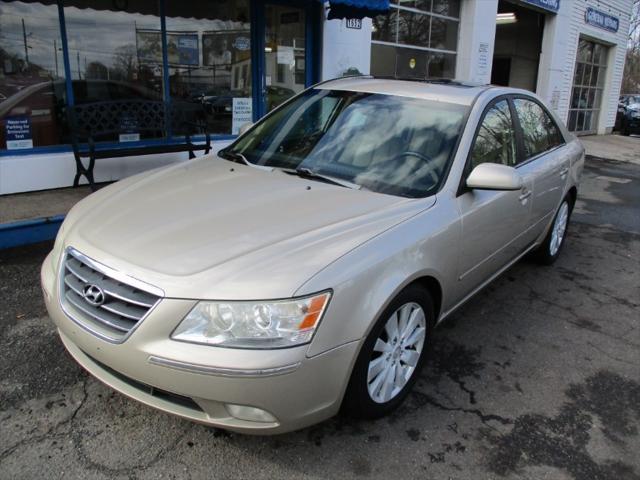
<point>494,176</point>
<point>243,129</point>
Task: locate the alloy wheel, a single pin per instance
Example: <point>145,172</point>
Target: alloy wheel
<point>559,228</point>
<point>396,352</point>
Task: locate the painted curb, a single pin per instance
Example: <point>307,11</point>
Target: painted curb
<point>26,232</point>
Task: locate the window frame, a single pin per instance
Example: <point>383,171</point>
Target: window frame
<point>466,171</point>
<point>523,160</point>
<point>312,61</point>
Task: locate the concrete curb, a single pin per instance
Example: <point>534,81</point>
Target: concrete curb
<point>26,232</point>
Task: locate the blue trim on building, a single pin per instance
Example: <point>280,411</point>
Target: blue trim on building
<point>26,232</point>
<point>165,66</point>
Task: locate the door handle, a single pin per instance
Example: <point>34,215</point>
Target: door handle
<point>564,171</point>
<point>524,195</point>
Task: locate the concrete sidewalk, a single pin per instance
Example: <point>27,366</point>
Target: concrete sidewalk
<point>46,203</point>
<point>613,147</point>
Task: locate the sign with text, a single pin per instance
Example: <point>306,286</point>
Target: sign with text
<point>355,23</point>
<point>549,5</point>
<point>18,132</point>
<point>242,113</point>
<point>601,20</point>
<point>129,127</point>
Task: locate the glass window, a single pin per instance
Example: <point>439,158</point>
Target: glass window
<point>589,78</point>
<point>384,143</point>
<point>384,27</point>
<point>413,28</point>
<point>496,138</point>
<point>113,61</point>
<point>444,34</point>
<point>539,131</point>
<point>285,49</point>
<point>32,90</point>
<point>426,42</point>
<point>450,8</point>
<point>209,47</point>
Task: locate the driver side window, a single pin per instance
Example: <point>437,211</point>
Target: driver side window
<point>496,138</point>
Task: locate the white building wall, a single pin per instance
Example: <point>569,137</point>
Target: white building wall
<point>559,48</point>
<point>617,43</point>
<point>476,39</point>
<point>344,48</point>
<point>25,173</point>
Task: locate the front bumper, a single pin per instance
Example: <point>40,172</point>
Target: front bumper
<point>199,382</point>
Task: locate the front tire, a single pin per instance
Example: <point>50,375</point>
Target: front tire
<point>392,355</point>
<point>549,251</point>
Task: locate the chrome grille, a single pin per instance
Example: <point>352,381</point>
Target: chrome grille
<point>120,306</point>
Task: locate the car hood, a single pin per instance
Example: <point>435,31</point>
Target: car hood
<point>214,229</point>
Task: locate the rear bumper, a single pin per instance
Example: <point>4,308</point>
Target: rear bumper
<point>199,382</point>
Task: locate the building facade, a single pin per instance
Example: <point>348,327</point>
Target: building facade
<point>226,62</point>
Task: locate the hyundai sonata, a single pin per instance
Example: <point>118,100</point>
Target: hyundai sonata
<point>302,269</point>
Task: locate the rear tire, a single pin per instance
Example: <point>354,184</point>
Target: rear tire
<point>549,251</point>
<point>392,355</point>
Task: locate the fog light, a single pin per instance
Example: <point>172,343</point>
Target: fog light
<point>252,414</point>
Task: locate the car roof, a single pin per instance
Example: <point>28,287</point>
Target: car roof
<point>441,90</point>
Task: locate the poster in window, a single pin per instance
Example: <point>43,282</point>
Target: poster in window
<point>18,132</point>
<point>226,48</point>
<point>182,47</point>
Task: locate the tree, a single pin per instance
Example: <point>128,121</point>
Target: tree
<point>96,71</point>
<point>631,77</point>
<point>125,63</point>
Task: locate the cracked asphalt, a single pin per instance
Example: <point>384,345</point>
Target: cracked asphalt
<point>538,377</point>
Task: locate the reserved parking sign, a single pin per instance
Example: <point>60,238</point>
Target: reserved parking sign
<point>18,132</point>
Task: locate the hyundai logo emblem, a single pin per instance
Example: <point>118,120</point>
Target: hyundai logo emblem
<point>93,294</point>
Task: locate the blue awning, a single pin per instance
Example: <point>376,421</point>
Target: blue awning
<point>357,8</point>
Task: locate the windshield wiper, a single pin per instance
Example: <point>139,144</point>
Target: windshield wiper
<point>240,158</point>
<point>309,174</point>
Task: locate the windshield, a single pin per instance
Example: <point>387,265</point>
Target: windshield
<point>383,143</point>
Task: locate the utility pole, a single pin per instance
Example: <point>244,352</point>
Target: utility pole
<point>55,54</point>
<point>26,47</point>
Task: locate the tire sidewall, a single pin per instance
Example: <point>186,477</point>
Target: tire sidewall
<point>357,401</point>
<point>544,253</point>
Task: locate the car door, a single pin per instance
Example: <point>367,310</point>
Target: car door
<point>544,158</point>
<point>493,222</point>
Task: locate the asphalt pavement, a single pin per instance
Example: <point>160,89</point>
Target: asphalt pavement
<point>537,377</point>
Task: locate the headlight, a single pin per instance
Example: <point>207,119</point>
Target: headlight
<point>269,324</point>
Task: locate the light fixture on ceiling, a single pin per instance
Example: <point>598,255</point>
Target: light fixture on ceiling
<point>505,18</point>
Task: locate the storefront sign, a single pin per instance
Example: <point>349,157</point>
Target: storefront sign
<point>355,23</point>
<point>18,132</point>
<point>549,5</point>
<point>601,20</point>
<point>242,113</point>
